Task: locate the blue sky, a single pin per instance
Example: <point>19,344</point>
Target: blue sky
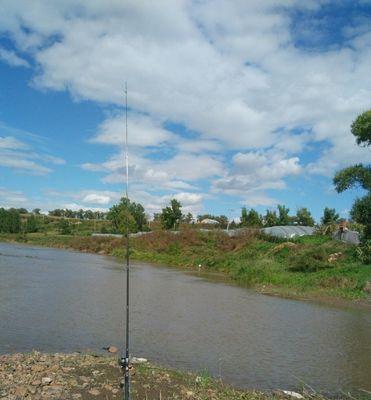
<point>232,103</point>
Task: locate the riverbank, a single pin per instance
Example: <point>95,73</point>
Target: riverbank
<point>84,376</point>
<point>311,267</point>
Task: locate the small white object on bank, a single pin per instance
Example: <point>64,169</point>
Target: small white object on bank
<point>293,394</point>
<point>138,360</point>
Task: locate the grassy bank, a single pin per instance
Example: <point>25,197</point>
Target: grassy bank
<point>81,376</point>
<point>311,266</point>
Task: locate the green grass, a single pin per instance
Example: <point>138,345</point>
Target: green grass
<point>299,268</point>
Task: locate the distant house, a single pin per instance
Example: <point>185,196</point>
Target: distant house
<point>209,221</point>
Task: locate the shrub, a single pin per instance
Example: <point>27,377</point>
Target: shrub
<point>64,227</point>
<point>364,252</point>
<point>310,260</point>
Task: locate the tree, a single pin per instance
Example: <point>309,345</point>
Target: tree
<point>244,216</point>
<point>359,174</point>
<point>254,219</point>
<point>31,224</point>
<point>10,221</point>
<point>361,129</point>
<point>270,218</point>
<point>361,213</point>
<point>283,215</point>
<point>127,211</point>
<point>139,215</point>
<point>330,216</point>
<point>188,219</point>
<point>356,176</point>
<point>171,215</point>
<point>304,217</point>
<point>36,211</point>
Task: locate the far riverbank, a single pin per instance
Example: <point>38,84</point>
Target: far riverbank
<point>309,267</point>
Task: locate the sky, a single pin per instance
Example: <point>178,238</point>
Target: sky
<point>231,103</point>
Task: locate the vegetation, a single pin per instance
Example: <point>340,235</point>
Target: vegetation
<point>127,211</point>
<point>304,217</point>
<point>305,266</point>
<point>171,215</point>
<point>361,129</point>
<point>10,221</point>
<point>330,216</point>
<point>359,175</point>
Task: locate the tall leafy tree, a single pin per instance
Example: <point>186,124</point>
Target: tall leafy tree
<point>127,211</point>
<point>361,129</point>
<point>254,219</point>
<point>171,215</point>
<point>270,218</point>
<point>244,216</point>
<point>330,216</point>
<point>283,215</point>
<point>359,175</point>
<point>188,218</point>
<point>304,217</point>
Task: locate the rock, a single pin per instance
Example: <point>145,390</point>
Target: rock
<point>54,389</point>
<point>334,257</point>
<point>367,287</point>
<point>76,396</point>
<point>32,389</point>
<point>37,368</point>
<point>138,360</point>
<point>112,349</point>
<point>294,395</point>
<point>46,380</point>
<point>36,382</point>
<point>94,392</point>
<point>21,391</point>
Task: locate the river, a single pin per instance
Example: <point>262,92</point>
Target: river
<point>56,300</point>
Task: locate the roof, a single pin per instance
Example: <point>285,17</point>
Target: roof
<point>209,221</point>
<point>288,231</point>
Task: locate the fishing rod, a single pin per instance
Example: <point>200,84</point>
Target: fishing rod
<point>125,361</point>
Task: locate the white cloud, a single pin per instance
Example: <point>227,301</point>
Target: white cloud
<point>9,142</point>
<point>19,156</point>
<point>12,198</point>
<point>228,71</point>
<point>256,171</point>
<point>11,58</point>
<point>144,131</point>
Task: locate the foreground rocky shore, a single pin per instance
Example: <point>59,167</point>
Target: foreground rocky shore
<point>85,376</point>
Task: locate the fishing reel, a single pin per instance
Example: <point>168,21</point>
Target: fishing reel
<point>124,362</point>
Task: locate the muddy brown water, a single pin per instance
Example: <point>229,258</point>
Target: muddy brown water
<point>55,300</point>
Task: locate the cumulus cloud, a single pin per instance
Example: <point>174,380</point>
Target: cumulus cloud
<point>144,131</point>
<point>256,171</point>
<point>229,72</point>
<point>11,58</point>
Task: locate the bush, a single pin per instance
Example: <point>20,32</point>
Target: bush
<point>310,260</point>
<point>64,227</point>
<point>31,224</point>
<point>364,252</point>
